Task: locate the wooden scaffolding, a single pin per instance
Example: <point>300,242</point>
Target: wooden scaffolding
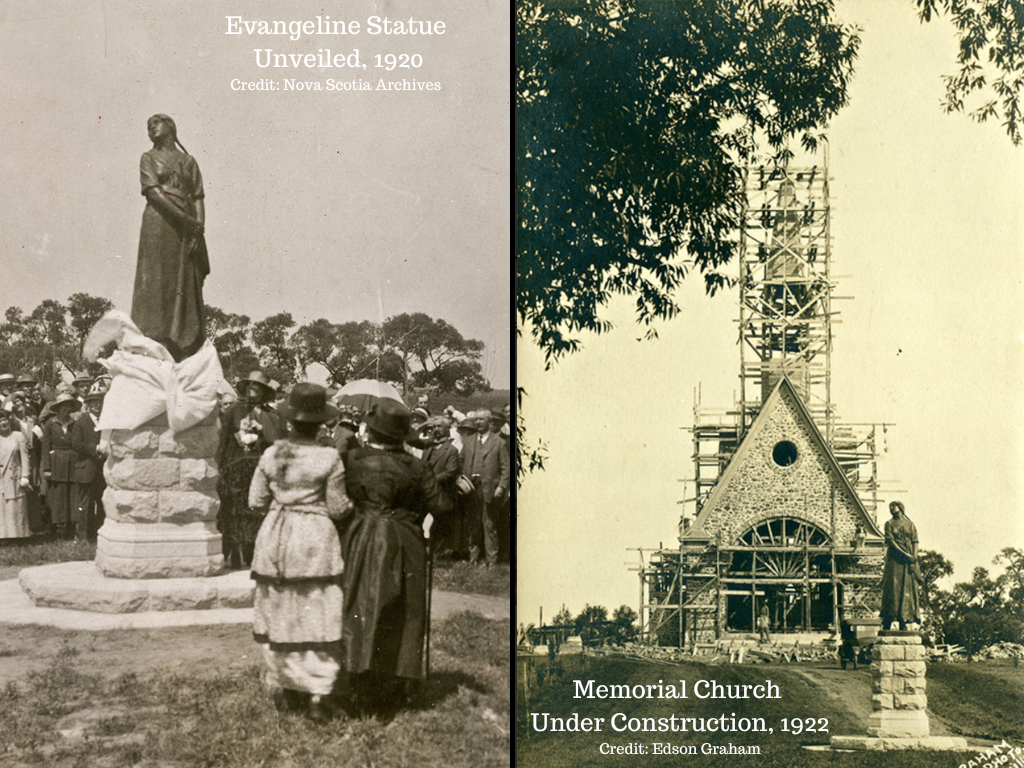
<point>785,329</point>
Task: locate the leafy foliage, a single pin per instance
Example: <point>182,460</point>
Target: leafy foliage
<point>270,337</point>
<point>934,566</point>
<point>529,457</point>
<point>444,359</point>
<point>411,349</point>
<point>592,624</point>
<point>414,348</point>
<point>229,334</point>
<point>634,121</point>
<point>340,348</point>
<point>48,341</point>
<point>991,58</point>
<point>984,610</point>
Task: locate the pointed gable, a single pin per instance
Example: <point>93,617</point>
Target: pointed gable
<point>782,468</point>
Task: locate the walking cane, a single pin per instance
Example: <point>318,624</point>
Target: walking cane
<point>430,590</point>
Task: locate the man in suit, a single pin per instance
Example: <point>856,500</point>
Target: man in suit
<point>448,530</point>
<point>485,461</point>
<point>88,475</point>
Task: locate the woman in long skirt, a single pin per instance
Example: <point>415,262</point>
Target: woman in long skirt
<point>297,563</point>
<point>385,561</point>
<point>14,470</point>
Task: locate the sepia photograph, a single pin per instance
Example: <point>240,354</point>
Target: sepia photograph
<point>255,384</point>
<point>770,383</point>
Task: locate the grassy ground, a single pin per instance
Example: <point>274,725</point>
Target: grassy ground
<point>193,696</point>
<point>73,712</point>
<point>460,576</point>
<point>953,695</point>
<point>962,693</point>
<point>40,551</point>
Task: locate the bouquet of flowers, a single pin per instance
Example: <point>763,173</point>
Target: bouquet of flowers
<point>248,434</point>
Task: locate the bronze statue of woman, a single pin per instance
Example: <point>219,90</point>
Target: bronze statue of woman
<point>899,580</point>
<point>168,301</point>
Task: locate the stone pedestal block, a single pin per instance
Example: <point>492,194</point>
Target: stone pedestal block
<point>902,724</point>
<point>900,719</point>
<point>161,503</point>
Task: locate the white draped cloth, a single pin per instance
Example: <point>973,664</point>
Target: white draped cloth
<point>146,382</point>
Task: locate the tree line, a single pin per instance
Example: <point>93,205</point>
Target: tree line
<point>973,614</point>
<point>976,613</point>
<point>413,349</point>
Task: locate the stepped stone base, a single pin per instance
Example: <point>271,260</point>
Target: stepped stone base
<point>874,743</point>
<point>158,550</point>
<point>81,586</point>
<point>899,724</point>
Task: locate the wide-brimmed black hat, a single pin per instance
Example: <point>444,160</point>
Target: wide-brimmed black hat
<point>63,398</point>
<point>389,419</point>
<point>308,403</point>
<point>82,377</point>
<point>257,377</point>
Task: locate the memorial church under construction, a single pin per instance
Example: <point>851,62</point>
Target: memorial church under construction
<point>781,507</point>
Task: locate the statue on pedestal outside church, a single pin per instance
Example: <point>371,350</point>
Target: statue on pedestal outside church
<point>902,571</point>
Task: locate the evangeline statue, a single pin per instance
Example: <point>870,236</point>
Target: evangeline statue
<point>168,301</point>
<point>902,571</point>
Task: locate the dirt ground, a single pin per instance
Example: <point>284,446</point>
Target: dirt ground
<point>852,691</point>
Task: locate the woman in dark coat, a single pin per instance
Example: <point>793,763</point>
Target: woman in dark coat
<point>248,428</point>
<point>385,561</point>
<point>168,301</point>
<point>58,464</point>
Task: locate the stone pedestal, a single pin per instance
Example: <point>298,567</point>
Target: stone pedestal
<point>161,503</point>
<point>900,716</point>
<point>79,586</point>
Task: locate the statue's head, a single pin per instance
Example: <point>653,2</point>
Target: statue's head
<point>159,125</point>
<point>896,508</point>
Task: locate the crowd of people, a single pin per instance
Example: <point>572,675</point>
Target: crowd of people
<point>337,513</point>
<point>468,453</point>
<point>51,457</point>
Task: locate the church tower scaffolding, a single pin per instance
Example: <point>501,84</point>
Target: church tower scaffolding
<point>812,566</point>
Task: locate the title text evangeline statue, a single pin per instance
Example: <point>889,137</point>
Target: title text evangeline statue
<point>167,304</point>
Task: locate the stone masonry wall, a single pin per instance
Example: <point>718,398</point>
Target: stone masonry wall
<point>762,490</point>
<point>161,503</point>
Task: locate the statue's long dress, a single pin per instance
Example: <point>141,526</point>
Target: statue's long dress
<point>899,588</point>
<point>168,301</point>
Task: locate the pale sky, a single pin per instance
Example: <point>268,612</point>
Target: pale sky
<point>337,204</point>
<point>927,226</point>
